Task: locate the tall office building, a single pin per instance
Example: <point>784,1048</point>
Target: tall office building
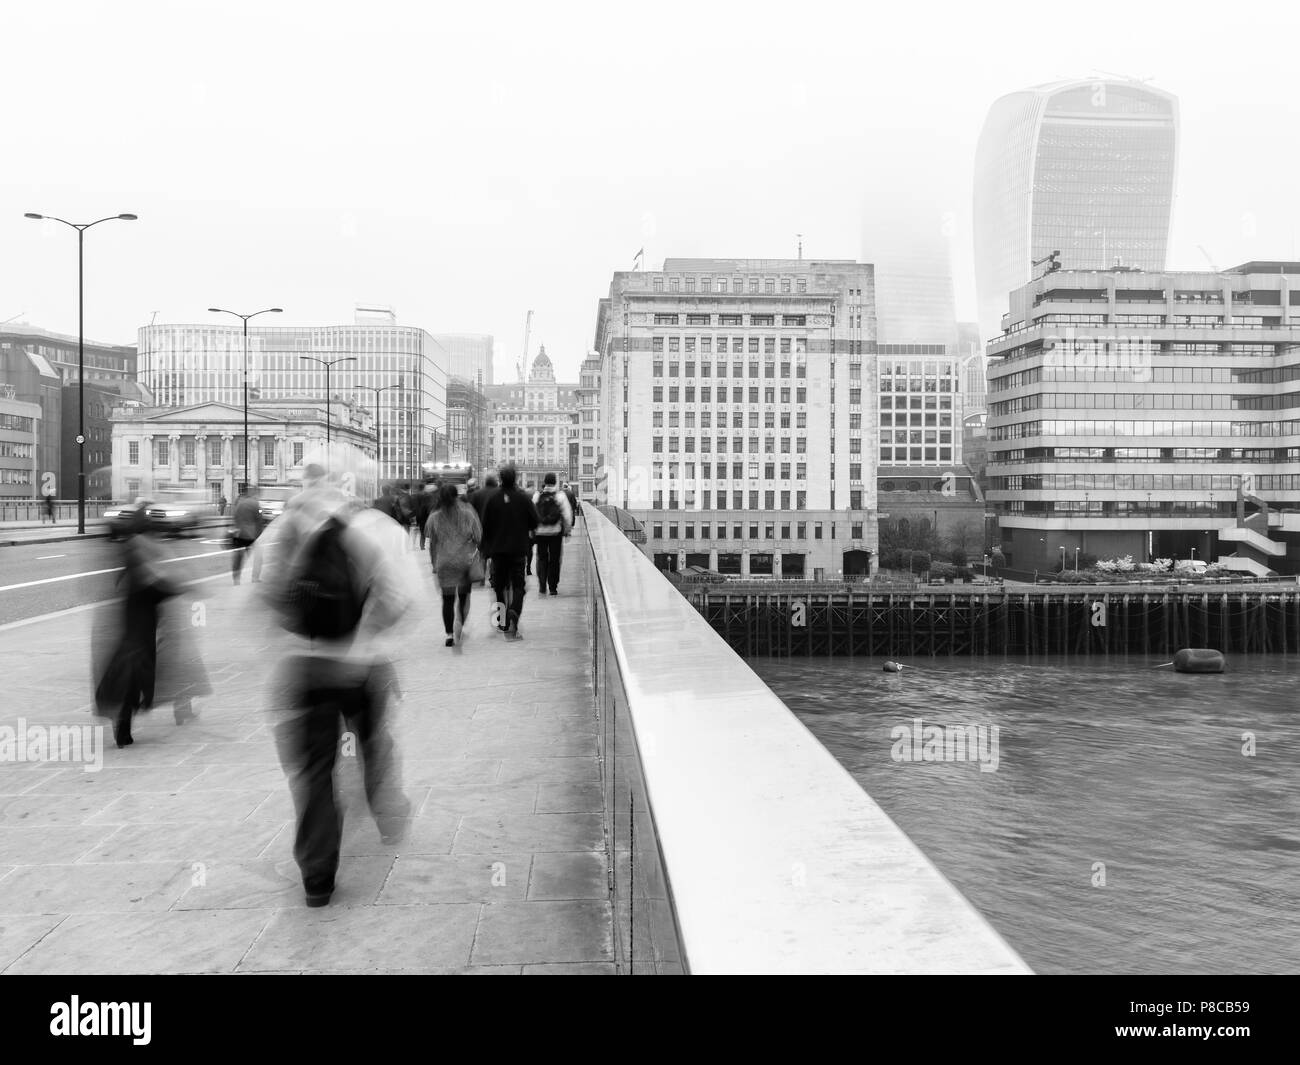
<point>590,457</point>
<point>469,356</point>
<point>735,398</point>
<point>1082,167</point>
<point>187,365</point>
<point>907,245</point>
<point>1149,414</point>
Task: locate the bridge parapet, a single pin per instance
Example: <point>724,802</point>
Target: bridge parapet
<point>740,844</point>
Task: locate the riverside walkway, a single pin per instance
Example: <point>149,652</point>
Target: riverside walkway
<point>176,856</point>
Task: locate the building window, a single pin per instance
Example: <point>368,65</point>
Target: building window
<point>297,452</point>
<point>187,450</point>
<point>659,284</point>
<point>133,453</point>
<point>160,453</point>
<point>268,452</point>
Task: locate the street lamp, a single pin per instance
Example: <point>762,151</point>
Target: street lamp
<point>329,364</point>
<point>1062,558</point>
<point>248,466</point>
<point>81,228</point>
<point>379,443</point>
<point>1076,559</point>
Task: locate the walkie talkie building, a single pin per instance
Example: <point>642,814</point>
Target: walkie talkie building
<point>1082,167</point>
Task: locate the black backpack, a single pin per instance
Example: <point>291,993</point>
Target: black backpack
<point>548,509</point>
<point>324,599</point>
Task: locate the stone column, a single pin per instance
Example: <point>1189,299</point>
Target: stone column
<point>174,456</point>
<point>713,559</point>
<point>228,478</point>
<point>201,458</point>
<point>146,465</point>
<point>744,562</point>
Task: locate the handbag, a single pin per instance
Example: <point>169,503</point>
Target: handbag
<point>476,572</point>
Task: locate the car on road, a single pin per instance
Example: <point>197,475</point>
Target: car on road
<point>181,513</point>
<point>271,499</point>
<point>124,516</point>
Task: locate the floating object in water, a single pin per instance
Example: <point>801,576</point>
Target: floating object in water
<point>1198,660</point>
<point>893,667</point>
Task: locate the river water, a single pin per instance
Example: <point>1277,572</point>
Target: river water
<point>1099,761</point>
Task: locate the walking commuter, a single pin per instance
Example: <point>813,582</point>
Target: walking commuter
<point>478,500</point>
<point>454,534</point>
<point>247,517</point>
<point>574,505</point>
<point>555,520</point>
<point>49,510</point>
<point>387,503</point>
<point>425,502</point>
<point>338,584</point>
<point>133,666</point>
<point>222,503</point>
<point>509,519</point>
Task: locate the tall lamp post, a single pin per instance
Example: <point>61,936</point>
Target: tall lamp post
<point>329,364</point>
<point>248,466</point>
<point>379,441</point>
<point>81,228</point>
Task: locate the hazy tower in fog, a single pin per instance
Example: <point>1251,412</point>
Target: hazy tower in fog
<point>1084,167</point>
<point>905,233</point>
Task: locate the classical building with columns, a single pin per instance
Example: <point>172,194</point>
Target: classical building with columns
<point>159,449</point>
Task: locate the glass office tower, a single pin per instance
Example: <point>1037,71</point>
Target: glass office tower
<point>1083,167</point>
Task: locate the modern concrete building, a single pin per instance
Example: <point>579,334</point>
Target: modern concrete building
<point>158,449</point>
<point>469,422</point>
<point>19,432</point>
<point>533,424</point>
<point>974,369</point>
<point>1149,414</point>
<point>735,398</point>
<point>185,365</point>
<point>1082,167</point>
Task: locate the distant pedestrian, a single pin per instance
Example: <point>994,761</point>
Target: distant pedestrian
<point>425,502</point>
<point>247,517</point>
<point>574,505</point>
<point>509,519</point>
<point>222,503</point>
<point>454,534</point>
<point>478,500</point>
<point>387,503</point>
<point>555,520</point>
<point>336,580</point>
<point>49,510</point>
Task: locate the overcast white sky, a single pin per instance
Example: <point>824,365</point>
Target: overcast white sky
<point>465,165</point>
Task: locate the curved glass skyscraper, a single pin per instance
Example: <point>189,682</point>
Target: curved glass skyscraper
<point>1082,167</point>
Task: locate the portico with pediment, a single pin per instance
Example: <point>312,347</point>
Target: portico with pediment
<point>161,449</point>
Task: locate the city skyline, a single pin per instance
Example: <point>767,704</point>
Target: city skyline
<point>547,210</point>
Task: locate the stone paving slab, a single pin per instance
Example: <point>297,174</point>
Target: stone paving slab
<point>176,856</point>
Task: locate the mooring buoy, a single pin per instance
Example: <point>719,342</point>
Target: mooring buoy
<point>1198,660</point>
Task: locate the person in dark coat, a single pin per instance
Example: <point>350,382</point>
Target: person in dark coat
<point>387,503</point>
<point>478,500</point>
<point>509,519</point>
<point>133,667</point>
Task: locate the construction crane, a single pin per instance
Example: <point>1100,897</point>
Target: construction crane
<point>521,367</point>
<point>1213,265</point>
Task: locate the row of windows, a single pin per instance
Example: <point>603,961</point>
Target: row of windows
<point>917,384</point>
<point>729,346</point>
<point>16,476</point>
<point>1147,454</point>
<point>1101,347</point>
<point>11,450</point>
<point>738,470</point>
<point>1154,482</point>
<point>706,284</point>
<point>688,394</point>
<point>687,531</point>
<point>1189,375</point>
<point>16,421</point>
<point>916,454</point>
<point>1144,401</point>
<point>1109,429</point>
<point>738,445</point>
<point>189,452</point>
<point>916,436</point>
<point>769,371</point>
<point>737,419</point>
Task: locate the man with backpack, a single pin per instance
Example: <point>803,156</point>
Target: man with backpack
<point>336,585</point>
<point>509,519</point>
<point>554,522</point>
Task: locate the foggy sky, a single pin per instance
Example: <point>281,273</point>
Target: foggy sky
<point>465,165</point>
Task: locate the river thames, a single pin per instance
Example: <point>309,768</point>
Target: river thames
<point>1123,830</point>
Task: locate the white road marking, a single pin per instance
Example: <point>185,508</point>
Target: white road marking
<point>42,558</point>
<point>91,606</point>
<point>97,572</point>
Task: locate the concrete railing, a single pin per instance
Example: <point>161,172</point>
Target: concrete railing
<point>739,844</point>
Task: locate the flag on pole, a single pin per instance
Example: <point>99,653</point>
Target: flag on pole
<point>636,260</point>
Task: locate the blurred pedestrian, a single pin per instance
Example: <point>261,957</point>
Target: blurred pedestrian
<point>387,502</point>
<point>49,509</point>
<point>336,580</point>
<point>222,503</point>
<point>454,534</point>
<point>247,517</point>
<point>509,519</point>
<point>574,505</point>
<point>555,520</point>
<point>478,500</point>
